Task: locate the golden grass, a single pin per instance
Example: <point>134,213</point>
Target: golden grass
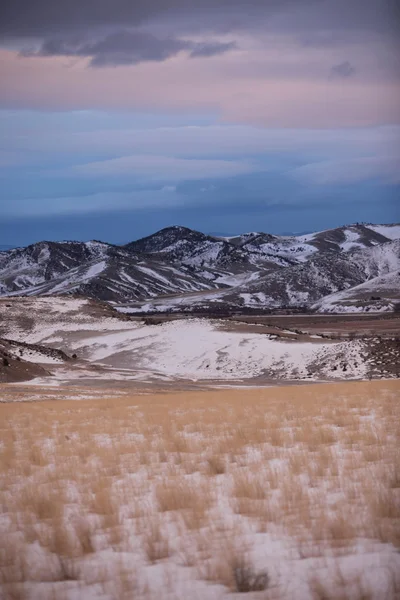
<point>177,479</point>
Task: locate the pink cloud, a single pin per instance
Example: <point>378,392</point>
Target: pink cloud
<point>221,84</point>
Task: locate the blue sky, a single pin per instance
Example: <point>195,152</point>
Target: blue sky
<point>280,117</point>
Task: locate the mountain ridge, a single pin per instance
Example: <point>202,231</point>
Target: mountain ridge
<point>253,270</point>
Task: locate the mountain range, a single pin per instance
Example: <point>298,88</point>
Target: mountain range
<point>350,268</point>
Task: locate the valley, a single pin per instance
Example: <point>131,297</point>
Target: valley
<point>193,417</point>
<point>181,309</point>
<point>83,342</point>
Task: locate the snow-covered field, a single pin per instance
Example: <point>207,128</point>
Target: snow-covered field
<point>277,493</point>
<point>191,349</point>
<point>199,349</point>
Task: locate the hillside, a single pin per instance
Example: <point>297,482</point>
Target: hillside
<point>93,269</point>
<point>181,269</point>
<point>379,294</point>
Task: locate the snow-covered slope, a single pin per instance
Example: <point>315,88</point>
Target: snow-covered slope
<point>255,249</point>
<point>298,285</point>
<point>23,268</point>
<point>256,269</point>
<point>93,269</point>
<point>323,274</point>
<point>378,260</point>
<point>198,349</point>
<point>392,232</point>
<point>192,248</point>
<point>295,286</point>
<point>380,294</point>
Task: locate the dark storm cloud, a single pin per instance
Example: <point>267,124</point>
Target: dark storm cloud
<point>128,47</point>
<point>44,18</point>
<point>343,70</point>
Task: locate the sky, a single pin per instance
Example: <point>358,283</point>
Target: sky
<point>120,117</point>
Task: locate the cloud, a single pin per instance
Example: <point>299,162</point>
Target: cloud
<point>128,48</point>
<point>211,49</point>
<point>343,70</point>
<point>93,203</point>
<point>200,87</point>
<point>25,18</point>
<point>338,172</point>
<point>277,77</point>
<point>162,168</point>
<point>32,134</point>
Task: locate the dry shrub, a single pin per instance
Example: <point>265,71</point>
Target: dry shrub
<point>179,494</point>
<point>40,501</point>
<point>294,497</point>
<point>276,437</point>
<point>333,530</point>
<point>69,569</point>
<point>299,462</point>
<point>248,580</point>
<point>233,569</point>
<point>155,542</point>
<point>84,531</point>
<point>340,588</point>
<point>384,515</point>
<point>195,548</point>
<point>103,502</point>
<point>125,582</point>
<point>12,560</point>
<point>8,455</point>
<point>315,434</point>
<point>394,475</point>
<point>273,477</point>
<point>372,453</point>
<point>68,540</point>
<point>216,464</point>
<point>38,457</point>
<point>249,485</point>
<point>177,442</point>
<point>385,504</point>
<point>324,463</point>
<point>14,591</point>
<point>262,511</point>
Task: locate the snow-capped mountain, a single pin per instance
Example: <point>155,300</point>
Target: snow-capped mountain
<point>93,269</point>
<point>23,268</point>
<point>180,244</point>
<point>322,274</point>
<point>178,268</point>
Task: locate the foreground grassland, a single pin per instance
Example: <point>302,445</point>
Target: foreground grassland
<point>274,493</point>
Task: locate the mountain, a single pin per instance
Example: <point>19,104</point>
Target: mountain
<point>322,274</point>
<point>183,245</point>
<point>23,268</point>
<point>256,248</point>
<point>93,269</point>
<point>181,269</point>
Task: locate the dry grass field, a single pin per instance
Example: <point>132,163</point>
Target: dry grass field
<point>276,493</point>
